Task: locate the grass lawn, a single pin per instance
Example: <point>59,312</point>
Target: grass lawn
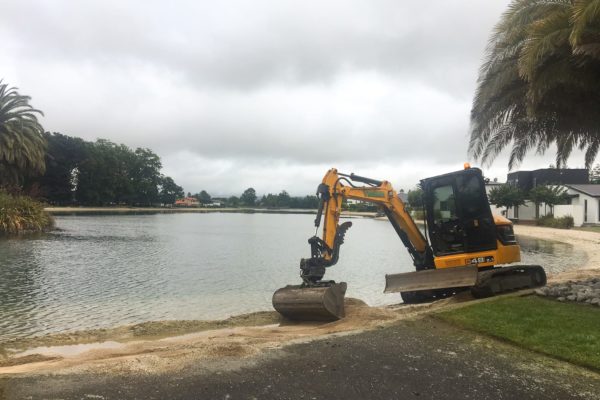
<point>589,228</point>
<point>568,331</point>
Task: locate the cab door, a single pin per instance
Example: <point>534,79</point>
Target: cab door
<point>474,209</point>
<point>443,220</point>
<point>459,218</point>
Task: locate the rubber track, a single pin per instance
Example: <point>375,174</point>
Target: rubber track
<point>507,279</point>
<point>489,283</point>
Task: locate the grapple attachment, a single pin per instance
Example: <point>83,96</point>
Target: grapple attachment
<point>311,303</point>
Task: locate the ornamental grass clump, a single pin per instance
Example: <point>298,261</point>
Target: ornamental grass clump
<point>21,214</point>
<point>566,222</point>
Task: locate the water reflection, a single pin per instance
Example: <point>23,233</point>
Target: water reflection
<point>553,256</point>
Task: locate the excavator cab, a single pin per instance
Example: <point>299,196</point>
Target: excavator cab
<point>458,216</point>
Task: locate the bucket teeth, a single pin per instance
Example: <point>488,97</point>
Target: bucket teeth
<point>311,303</point>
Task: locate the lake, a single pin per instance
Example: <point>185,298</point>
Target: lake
<point>102,271</point>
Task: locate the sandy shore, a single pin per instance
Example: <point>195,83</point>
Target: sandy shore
<point>160,346</point>
<point>150,353</point>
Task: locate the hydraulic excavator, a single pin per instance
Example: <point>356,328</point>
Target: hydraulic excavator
<point>462,245</point>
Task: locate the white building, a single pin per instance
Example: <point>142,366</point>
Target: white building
<point>584,206</point>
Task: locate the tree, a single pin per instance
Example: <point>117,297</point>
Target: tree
<point>144,173</point>
<point>269,201</point>
<point>203,197</point>
<point>556,195</point>
<point>540,82</point>
<point>105,175</point>
<point>22,144</point>
<point>248,198</point>
<point>306,202</point>
<point>506,196</point>
<point>283,199</point>
<point>169,190</point>
<point>233,201</point>
<point>415,198</point>
<point>549,195</point>
<point>64,155</point>
<point>538,195</point>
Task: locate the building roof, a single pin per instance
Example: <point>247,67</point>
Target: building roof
<point>589,189</point>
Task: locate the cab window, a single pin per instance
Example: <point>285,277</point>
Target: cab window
<point>444,204</point>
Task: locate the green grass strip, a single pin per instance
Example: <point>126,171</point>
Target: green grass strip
<point>589,228</point>
<point>568,331</point>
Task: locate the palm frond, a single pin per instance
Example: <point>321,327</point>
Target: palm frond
<point>22,144</point>
<point>535,88</point>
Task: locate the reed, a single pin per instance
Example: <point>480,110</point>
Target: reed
<point>21,214</point>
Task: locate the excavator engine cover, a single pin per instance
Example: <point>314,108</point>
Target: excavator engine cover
<point>311,303</point>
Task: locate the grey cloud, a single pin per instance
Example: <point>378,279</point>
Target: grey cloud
<point>249,44</point>
<point>263,93</point>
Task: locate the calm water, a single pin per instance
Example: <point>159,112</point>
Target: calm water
<point>102,271</point>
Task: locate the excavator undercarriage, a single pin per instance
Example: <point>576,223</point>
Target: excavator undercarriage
<point>462,246</point>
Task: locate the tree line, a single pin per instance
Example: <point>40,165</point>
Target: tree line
<point>100,173</point>
<point>249,198</point>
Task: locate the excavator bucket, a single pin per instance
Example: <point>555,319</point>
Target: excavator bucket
<point>431,279</point>
<point>305,303</point>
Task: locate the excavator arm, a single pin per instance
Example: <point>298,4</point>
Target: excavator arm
<point>318,299</point>
<point>336,187</point>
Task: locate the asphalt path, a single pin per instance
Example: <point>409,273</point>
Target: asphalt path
<point>417,359</point>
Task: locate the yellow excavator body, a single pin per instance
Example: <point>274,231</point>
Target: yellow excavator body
<point>462,245</point>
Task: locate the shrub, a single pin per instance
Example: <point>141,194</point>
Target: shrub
<point>21,214</point>
<point>565,222</point>
<point>418,215</point>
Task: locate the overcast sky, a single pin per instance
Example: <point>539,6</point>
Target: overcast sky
<point>268,94</point>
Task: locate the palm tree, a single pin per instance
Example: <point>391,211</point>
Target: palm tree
<point>540,82</point>
<point>22,145</point>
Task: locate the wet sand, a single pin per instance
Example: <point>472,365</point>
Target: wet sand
<point>158,347</point>
<point>410,359</point>
<point>167,346</point>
